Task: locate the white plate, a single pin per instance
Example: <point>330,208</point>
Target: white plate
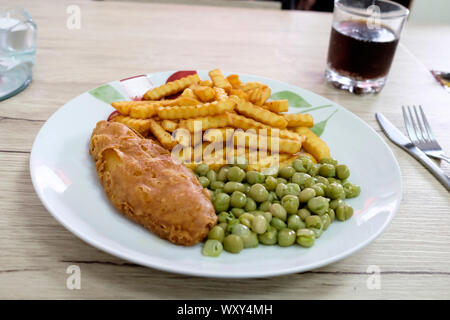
<point>65,179</point>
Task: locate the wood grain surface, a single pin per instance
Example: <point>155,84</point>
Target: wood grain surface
<point>117,40</point>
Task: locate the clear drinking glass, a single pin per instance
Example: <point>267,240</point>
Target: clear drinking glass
<point>364,37</point>
<point>18,35</point>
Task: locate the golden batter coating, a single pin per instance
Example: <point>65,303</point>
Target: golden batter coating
<point>145,184</point>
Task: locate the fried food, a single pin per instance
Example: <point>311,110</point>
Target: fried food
<point>140,125</point>
<point>260,114</point>
<point>205,94</point>
<point>171,87</point>
<point>162,135</point>
<point>146,185</point>
<point>201,110</point>
<point>299,120</point>
<point>313,144</point>
<point>219,80</point>
<point>218,121</point>
<point>234,80</point>
<point>277,106</point>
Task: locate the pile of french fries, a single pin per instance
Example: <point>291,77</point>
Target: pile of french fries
<point>209,114</point>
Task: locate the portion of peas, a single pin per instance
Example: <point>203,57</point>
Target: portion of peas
<point>294,204</point>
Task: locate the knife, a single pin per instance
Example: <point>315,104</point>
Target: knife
<point>400,140</point>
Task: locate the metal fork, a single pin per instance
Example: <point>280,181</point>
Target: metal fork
<point>420,133</point>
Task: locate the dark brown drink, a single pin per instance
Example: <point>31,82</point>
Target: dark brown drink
<point>360,52</point>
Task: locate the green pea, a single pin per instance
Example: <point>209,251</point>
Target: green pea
<point>216,185</point>
<point>351,190</point>
<point>236,174</point>
<point>342,171</point>
<point>223,225</point>
<point>281,190</point>
<point>303,213</point>
<point>225,217</point>
<point>212,248</point>
<point>204,181</point>
<point>273,196</point>
<point>286,237</point>
<point>231,225</point>
<point>331,214</point>
<point>232,186</point>
<point>306,194</point>
<point>237,212</point>
<point>295,222</point>
<point>328,160</point>
<point>298,166</point>
<point>211,175</point>
<point>313,222</point>
<point>216,233</point>
<point>317,232</point>
<point>314,170</point>
<point>233,243</point>
<point>271,183</point>
<point>305,237</point>
<point>211,194</point>
<point>259,224</point>
<point>290,203</point>
<point>267,215</point>
<point>286,172</point>
<point>326,220</point>
<point>304,180</point>
<point>258,193</point>
<point>293,189</point>
<point>307,163</point>
<point>270,237</point>
<point>318,205</point>
<point>334,204</point>
<point>327,170</point>
<point>251,241</point>
<point>221,202</point>
<point>278,223</point>
<point>246,219</point>
<point>240,230</point>
<point>246,188</point>
<point>344,212</point>
<point>217,191</point>
<point>253,177</point>
<point>319,189</point>
<point>265,206</point>
<point>333,180</point>
<point>238,199</point>
<point>222,174</point>
<point>250,205</point>
<point>320,179</point>
<point>202,169</point>
<point>335,191</point>
<point>278,211</point>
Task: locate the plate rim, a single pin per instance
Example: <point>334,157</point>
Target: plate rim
<point>208,274</point>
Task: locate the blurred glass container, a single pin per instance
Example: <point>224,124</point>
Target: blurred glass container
<point>363,41</point>
<point>18,37</point>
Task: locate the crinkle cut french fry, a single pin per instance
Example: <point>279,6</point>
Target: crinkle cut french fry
<point>260,114</point>
<point>201,110</point>
<point>162,135</point>
<point>205,94</point>
<point>277,106</point>
<point>239,93</point>
<point>169,125</point>
<point>234,80</point>
<point>220,94</point>
<point>217,121</point>
<point>171,87</point>
<point>259,95</point>
<point>258,141</point>
<point>140,125</point>
<point>313,144</point>
<point>252,85</point>
<point>124,107</point>
<point>238,121</point>
<point>207,83</point>
<point>143,111</point>
<point>299,120</point>
<point>219,80</point>
<point>188,93</point>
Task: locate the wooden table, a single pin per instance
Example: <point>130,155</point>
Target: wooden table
<point>117,40</point>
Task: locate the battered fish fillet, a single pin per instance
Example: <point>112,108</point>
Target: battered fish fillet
<point>146,185</point>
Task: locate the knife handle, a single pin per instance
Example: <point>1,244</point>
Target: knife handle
<point>429,164</point>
